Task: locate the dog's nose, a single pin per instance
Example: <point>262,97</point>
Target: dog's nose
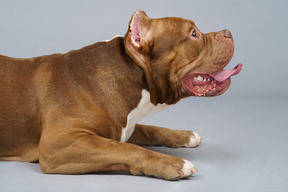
<point>227,33</point>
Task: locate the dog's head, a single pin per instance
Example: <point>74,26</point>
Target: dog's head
<point>178,60</point>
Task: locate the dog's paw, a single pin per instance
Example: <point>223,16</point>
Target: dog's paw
<point>164,166</point>
<point>185,170</point>
<point>183,138</point>
<point>195,140</point>
<point>188,170</point>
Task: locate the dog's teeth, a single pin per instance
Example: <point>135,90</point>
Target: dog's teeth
<point>199,78</point>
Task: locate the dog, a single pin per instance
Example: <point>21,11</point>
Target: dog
<point>77,113</point>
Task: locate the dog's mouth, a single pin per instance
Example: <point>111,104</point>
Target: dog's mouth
<point>199,84</point>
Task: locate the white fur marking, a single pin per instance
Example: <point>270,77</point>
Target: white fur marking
<point>144,108</point>
<point>197,137</point>
<point>188,169</point>
<point>112,38</point>
<point>194,140</point>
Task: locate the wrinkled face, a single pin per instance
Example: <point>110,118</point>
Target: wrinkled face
<point>176,53</point>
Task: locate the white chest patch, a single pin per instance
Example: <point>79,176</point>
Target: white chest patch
<point>144,108</point>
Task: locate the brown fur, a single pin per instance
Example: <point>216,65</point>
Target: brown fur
<point>67,111</point>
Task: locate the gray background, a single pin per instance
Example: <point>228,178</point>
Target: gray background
<point>244,130</point>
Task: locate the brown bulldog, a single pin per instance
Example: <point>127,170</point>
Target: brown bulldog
<point>77,112</point>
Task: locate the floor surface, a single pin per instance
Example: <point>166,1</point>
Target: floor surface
<point>244,149</point>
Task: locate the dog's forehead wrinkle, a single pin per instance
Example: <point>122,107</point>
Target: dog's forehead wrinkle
<point>170,22</point>
<point>174,31</point>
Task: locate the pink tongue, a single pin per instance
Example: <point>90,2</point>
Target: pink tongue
<point>225,74</point>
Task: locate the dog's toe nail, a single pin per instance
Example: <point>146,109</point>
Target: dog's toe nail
<point>194,170</point>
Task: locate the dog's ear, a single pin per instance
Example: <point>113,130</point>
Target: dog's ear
<point>138,28</point>
<point>137,37</point>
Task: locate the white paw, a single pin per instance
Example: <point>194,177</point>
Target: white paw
<point>194,140</point>
<point>188,169</point>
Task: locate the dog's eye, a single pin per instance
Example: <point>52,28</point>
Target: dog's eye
<point>194,34</point>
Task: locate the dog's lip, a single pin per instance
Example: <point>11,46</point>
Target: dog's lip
<point>220,75</point>
<point>191,84</point>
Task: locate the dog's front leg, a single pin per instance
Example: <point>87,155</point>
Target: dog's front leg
<point>79,153</point>
<point>151,135</point>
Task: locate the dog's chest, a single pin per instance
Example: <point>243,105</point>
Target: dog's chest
<point>144,108</point>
